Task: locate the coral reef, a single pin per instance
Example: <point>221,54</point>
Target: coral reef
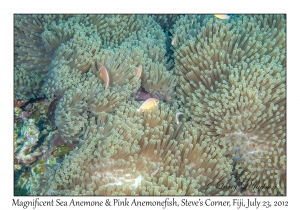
<point>226,79</point>
<point>29,137</point>
<point>34,140</point>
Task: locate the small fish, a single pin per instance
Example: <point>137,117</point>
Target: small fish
<point>139,71</point>
<point>155,172</point>
<point>176,117</point>
<point>103,74</point>
<point>223,17</point>
<point>174,40</point>
<point>53,151</point>
<point>148,104</point>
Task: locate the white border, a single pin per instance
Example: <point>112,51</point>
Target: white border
<point>150,6</point>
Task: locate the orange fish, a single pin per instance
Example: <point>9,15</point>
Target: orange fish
<point>176,117</point>
<point>148,104</point>
<point>139,71</point>
<point>223,17</point>
<point>103,74</point>
<point>174,40</point>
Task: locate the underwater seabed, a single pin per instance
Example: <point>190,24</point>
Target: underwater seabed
<point>150,104</point>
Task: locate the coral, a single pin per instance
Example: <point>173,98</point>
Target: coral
<point>226,78</point>
<point>31,132</point>
<point>19,103</point>
<point>20,114</point>
<point>17,111</point>
<point>29,137</point>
